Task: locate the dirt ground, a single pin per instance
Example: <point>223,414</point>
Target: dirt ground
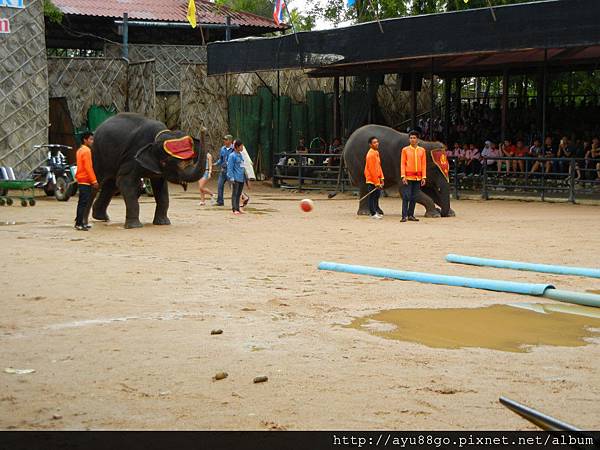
<point>117,323</point>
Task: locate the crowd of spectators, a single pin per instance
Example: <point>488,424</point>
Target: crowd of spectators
<point>549,157</point>
<point>475,134</point>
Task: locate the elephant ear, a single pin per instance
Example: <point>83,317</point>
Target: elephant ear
<point>146,158</point>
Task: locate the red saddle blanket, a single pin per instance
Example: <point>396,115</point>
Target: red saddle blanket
<point>181,148</point>
<point>441,160</point>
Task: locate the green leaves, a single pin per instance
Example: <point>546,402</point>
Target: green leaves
<point>52,12</point>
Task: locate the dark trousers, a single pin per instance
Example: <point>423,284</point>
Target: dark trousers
<point>473,168</point>
<point>221,186</point>
<point>85,197</point>
<point>373,199</point>
<point>236,193</point>
<point>409,197</point>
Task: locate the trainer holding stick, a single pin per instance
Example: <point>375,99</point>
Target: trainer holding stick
<point>374,177</point>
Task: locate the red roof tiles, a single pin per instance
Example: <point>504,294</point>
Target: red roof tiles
<point>162,10</point>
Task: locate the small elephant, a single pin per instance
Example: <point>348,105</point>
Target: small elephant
<point>391,142</point>
<point>128,147</point>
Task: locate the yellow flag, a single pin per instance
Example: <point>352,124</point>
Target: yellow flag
<point>191,14</point>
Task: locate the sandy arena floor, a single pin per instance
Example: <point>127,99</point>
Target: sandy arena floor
<point>117,323</point>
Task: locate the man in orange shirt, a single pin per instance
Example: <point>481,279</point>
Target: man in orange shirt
<point>413,170</point>
<point>86,180</point>
<point>374,177</point>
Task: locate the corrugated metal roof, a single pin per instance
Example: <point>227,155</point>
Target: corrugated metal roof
<point>162,10</point>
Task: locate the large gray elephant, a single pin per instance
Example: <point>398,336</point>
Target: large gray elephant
<point>391,142</point>
<point>128,147</point>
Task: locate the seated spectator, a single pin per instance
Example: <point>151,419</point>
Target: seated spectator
<point>594,156</point>
<point>301,148</point>
<point>459,157</point>
<point>472,160</point>
<point>550,151</point>
<point>508,150</point>
<point>520,152</point>
<point>579,155</point>
<point>490,151</point>
<point>566,151</point>
<point>336,147</point>
<point>536,151</point>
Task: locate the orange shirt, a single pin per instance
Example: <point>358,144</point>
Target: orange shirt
<point>85,172</point>
<point>520,152</point>
<point>373,171</point>
<point>413,163</point>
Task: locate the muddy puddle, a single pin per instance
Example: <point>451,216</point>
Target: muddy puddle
<point>514,328</point>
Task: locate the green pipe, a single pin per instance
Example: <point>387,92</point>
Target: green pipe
<point>579,298</point>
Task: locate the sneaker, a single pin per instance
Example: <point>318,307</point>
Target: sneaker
<point>376,216</point>
<point>413,219</point>
<point>403,219</point>
<point>80,228</point>
<point>219,204</point>
<point>202,203</point>
<point>380,212</point>
<point>88,226</point>
<point>236,213</point>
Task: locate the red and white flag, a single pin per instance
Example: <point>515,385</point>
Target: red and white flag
<point>278,11</point>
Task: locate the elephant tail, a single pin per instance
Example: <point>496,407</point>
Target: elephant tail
<point>349,172</point>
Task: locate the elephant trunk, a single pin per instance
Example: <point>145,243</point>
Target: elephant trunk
<point>188,171</point>
<point>445,199</point>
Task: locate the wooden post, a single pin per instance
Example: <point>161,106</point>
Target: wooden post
<point>228,29</point>
<point>413,100</point>
<point>458,95</point>
<point>544,93</point>
<point>336,107</point>
<point>125,37</point>
<point>505,80</point>
<point>447,107</point>
<point>432,102</point>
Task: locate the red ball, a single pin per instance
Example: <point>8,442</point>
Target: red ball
<point>307,205</point>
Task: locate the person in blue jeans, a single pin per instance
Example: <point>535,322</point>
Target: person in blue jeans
<point>236,174</point>
<point>224,153</point>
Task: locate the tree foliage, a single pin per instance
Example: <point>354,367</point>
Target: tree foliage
<point>336,11</point>
<point>52,12</point>
<point>264,8</point>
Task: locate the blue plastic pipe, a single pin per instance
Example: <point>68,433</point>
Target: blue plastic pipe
<point>477,283</point>
<point>540,290</point>
<point>504,264</point>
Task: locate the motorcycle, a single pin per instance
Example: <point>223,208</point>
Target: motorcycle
<point>55,176</point>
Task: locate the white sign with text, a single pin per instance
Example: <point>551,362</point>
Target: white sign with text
<point>11,4</point>
<point>4,26</point>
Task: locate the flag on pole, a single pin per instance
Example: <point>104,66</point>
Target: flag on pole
<point>351,3</point>
<point>278,11</point>
<point>191,13</point>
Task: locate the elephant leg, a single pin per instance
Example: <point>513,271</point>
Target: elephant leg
<point>103,199</point>
<point>427,202</point>
<point>129,187</point>
<point>160,190</point>
<point>434,194</point>
<point>363,206</point>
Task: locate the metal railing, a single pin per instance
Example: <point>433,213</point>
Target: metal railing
<point>557,178</point>
<point>547,178</point>
<point>310,171</point>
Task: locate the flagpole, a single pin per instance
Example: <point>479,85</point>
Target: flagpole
<point>492,10</point>
<point>291,22</point>
<point>376,16</point>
